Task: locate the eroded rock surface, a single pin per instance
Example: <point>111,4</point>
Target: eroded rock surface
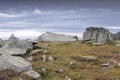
<point>97,35</point>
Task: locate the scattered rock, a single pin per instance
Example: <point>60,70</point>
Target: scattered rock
<point>97,35</point>
<point>43,70</point>
<point>53,37</point>
<point>67,77</point>
<point>59,71</point>
<point>30,58</point>
<point>105,64</point>
<point>33,74</point>
<point>50,58</point>
<point>71,63</point>
<point>17,64</point>
<point>89,57</point>
<point>43,57</point>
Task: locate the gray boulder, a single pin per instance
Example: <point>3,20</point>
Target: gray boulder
<point>14,46</point>
<point>17,64</point>
<point>53,37</point>
<point>33,74</point>
<point>116,36</point>
<point>97,35</point>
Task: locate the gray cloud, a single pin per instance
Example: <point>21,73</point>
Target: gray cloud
<point>58,17</point>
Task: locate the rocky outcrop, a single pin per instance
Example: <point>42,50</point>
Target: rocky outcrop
<point>17,64</point>
<point>116,36</point>
<point>97,35</point>
<point>53,37</point>
<point>14,46</point>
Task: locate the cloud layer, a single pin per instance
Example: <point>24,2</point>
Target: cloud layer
<point>31,23</point>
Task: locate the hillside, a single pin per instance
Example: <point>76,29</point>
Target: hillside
<point>80,68</point>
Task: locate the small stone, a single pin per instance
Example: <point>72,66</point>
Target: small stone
<point>89,57</point>
<point>60,71</point>
<point>30,58</point>
<point>71,63</point>
<point>105,64</point>
<point>33,74</point>
<point>67,77</point>
<point>50,58</point>
<point>43,57</point>
<point>43,70</point>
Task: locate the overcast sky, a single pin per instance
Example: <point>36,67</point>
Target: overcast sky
<point>30,18</point>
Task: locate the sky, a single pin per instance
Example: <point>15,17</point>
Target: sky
<point>30,18</point>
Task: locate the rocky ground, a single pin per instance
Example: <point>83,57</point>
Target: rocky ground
<point>70,61</point>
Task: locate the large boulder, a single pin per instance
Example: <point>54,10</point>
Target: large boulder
<point>53,37</point>
<point>116,36</point>
<point>14,46</point>
<point>17,64</point>
<point>97,35</point>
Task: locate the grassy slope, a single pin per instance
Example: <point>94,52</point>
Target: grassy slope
<point>71,51</point>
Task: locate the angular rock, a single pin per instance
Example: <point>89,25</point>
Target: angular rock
<point>14,46</point>
<point>116,36</point>
<point>33,74</point>
<point>17,64</point>
<point>97,35</point>
<point>53,37</point>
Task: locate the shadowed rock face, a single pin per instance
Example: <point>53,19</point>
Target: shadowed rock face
<point>97,35</point>
<point>116,36</point>
<point>53,37</point>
